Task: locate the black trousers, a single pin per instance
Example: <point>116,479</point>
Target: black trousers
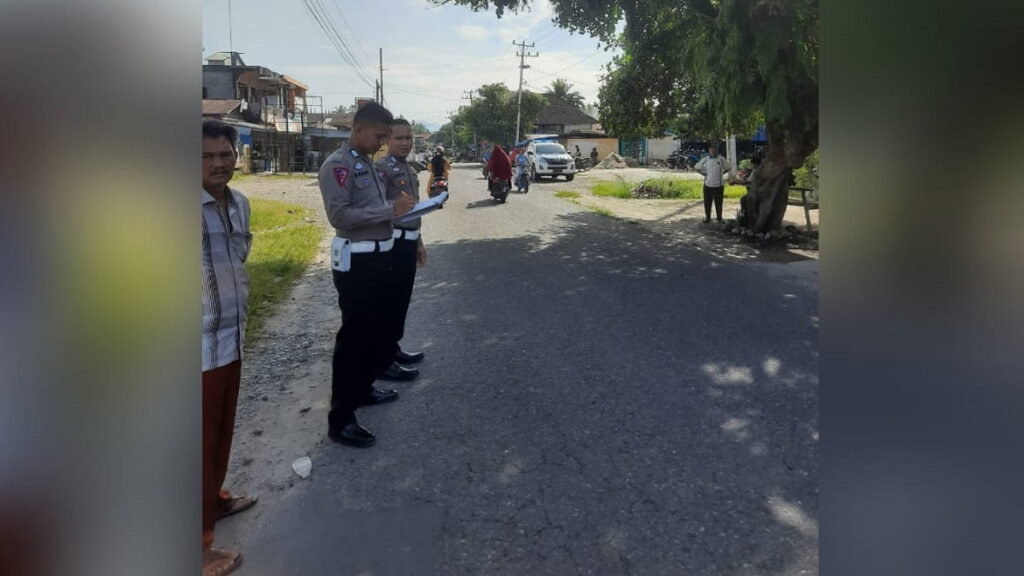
<point>400,282</point>
<point>716,194</point>
<point>362,349</point>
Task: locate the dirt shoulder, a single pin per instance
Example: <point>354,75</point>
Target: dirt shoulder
<point>285,374</point>
<point>681,220</point>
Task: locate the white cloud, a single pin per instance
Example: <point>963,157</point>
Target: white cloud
<point>471,32</point>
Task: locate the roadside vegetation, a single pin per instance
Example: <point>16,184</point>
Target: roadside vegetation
<point>660,188</point>
<point>283,244</point>
<point>240,177</point>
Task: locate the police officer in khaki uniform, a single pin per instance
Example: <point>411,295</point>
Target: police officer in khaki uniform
<point>357,206</point>
<point>408,253</point>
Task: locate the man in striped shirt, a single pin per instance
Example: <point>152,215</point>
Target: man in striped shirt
<point>226,243</point>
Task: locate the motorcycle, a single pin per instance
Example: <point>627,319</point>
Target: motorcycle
<point>682,159</point>
<point>439,184</point>
<point>499,189</point>
<point>582,163</point>
<point>523,181</point>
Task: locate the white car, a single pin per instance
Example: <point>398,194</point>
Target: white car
<point>550,159</point>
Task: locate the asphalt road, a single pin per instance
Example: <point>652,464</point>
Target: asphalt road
<point>596,399</point>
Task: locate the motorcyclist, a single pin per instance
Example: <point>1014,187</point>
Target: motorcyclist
<point>499,167</point>
<point>521,161</point>
<point>438,166</point>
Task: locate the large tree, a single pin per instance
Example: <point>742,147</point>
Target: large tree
<point>722,65</point>
<point>492,115</point>
<point>562,88</point>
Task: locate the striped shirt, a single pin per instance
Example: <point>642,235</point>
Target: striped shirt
<point>226,243</point>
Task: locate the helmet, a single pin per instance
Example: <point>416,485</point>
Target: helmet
<point>439,150</point>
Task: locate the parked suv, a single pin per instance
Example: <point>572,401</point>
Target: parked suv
<point>550,159</point>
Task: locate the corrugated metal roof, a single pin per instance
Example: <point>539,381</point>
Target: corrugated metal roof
<point>219,107</point>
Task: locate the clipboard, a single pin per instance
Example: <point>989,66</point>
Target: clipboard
<point>423,208</point>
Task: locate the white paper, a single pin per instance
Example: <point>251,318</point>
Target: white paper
<point>424,207</point>
<point>302,466</point>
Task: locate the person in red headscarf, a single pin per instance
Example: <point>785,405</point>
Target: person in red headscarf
<point>499,167</point>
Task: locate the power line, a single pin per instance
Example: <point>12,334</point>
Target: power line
<point>425,94</point>
<point>571,65</point>
<point>350,29</point>
<point>316,10</point>
<point>348,49</point>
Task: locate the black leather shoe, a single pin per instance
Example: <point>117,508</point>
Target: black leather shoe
<point>399,373</point>
<point>353,435</point>
<point>379,396</point>
<point>403,357</point>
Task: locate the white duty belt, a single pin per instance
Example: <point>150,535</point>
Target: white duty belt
<point>343,248</point>
<point>402,233</point>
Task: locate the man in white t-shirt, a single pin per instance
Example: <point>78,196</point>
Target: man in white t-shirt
<point>713,167</point>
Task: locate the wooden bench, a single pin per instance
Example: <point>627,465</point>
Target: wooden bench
<point>808,204</point>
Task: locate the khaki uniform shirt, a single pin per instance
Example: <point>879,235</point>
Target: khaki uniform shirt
<point>354,196</point>
<point>400,177</point>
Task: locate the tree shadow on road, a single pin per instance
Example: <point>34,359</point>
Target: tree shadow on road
<point>593,400</point>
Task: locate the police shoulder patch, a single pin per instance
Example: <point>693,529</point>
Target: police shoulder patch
<point>340,174</point>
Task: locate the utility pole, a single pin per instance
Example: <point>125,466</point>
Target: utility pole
<point>522,66</point>
<point>231,40</point>
<point>470,98</point>
<point>376,90</point>
<point>381,76</point>
<point>451,121</point>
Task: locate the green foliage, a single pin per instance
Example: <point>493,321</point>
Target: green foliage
<point>493,114</point>
<point>807,175</point>
<point>675,189</point>
<point>282,246</point>
<point>566,194</point>
<point>615,189</point>
<point>702,66</point>
<point>663,188</point>
<point>562,88</point>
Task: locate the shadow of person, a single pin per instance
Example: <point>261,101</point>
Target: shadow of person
<point>486,202</point>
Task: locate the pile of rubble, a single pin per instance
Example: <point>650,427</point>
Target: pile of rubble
<point>612,162</point>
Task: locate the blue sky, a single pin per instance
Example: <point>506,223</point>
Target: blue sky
<point>432,54</point>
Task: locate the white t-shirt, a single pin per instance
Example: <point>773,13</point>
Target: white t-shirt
<point>712,169</point>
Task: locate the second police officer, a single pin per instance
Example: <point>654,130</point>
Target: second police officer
<point>357,206</point>
<point>408,252</point>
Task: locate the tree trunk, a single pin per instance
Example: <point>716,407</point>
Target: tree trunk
<point>764,206</point>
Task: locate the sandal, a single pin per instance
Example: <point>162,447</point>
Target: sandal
<point>220,562</point>
<point>235,505</point>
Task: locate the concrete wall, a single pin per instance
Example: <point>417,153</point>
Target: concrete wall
<point>659,148</point>
<point>219,82</point>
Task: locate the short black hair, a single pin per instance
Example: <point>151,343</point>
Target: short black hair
<point>401,122</point>
<point>218,129</point>
<point>372,113</point>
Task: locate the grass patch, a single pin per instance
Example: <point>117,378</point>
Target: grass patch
<point>668,189</point>
<point>282,246</point>
<point>566,194</point>
<point>602,211</point>
<point>615,189</point>
<point>272,177</point>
